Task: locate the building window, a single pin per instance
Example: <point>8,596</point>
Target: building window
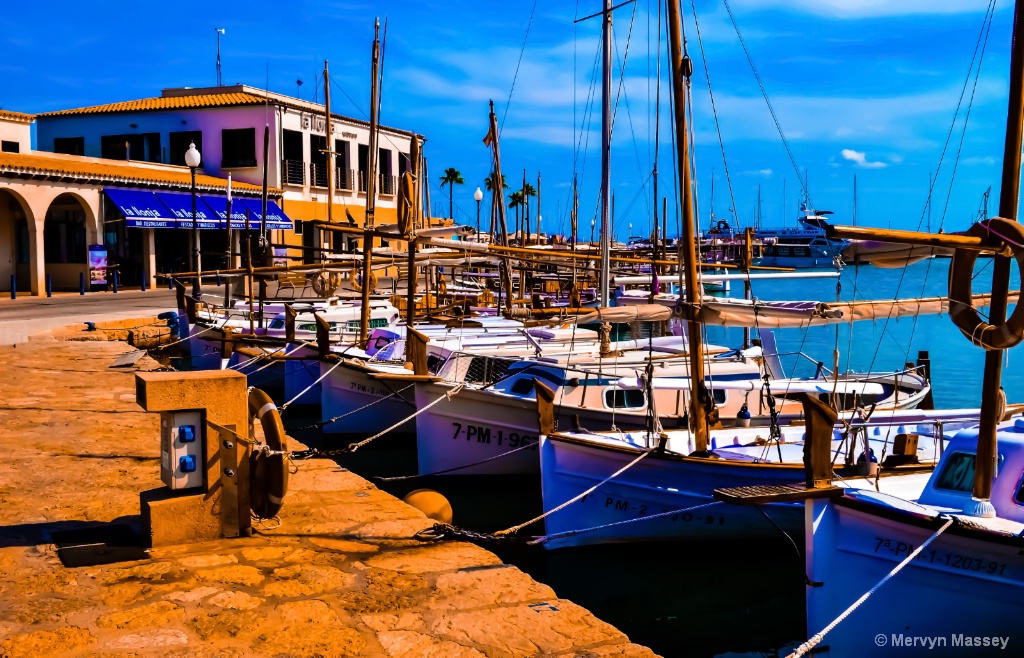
<point>387,172</point>
<point>9,147</point>
<point>131,147</point>
<point>238,147</point>
<point>318,160</point>
<point>343,164</point>
<point>364,163</point>
<point>179,145</point>
<point>64,233</point>
<point>294,168</point>
<point>69,145</point>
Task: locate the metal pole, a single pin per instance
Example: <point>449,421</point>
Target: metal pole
<point>606,143</point>
<point>371,179</point>
<point>478,221</point>
<point>1009,190</point>
<point>198,267</point>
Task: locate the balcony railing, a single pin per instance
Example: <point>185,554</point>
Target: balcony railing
<point>386,184</point>
<point>317,175</point>
<point>294,172</point>
<point>345,179</point>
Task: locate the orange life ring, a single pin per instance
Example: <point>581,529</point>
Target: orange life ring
<point>268,469</point>
<point>961,302</point>
<point>358,287</point>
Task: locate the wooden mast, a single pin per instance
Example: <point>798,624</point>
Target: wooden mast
<point>371,179</point>
<point>606,145</point>
<point>1008,194</point>
<point>499,194</point>
<point>681,70</point>
<point>329,146</point>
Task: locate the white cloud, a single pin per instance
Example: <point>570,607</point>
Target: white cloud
<point>867,8</point>
<point>860,159</point>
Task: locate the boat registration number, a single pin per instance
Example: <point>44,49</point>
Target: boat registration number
<point>482,434</point>
<point>940,558</point>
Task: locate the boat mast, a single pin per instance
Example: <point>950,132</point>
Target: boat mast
<point>328,146</point>
<point>606,143</point>
<point>371,178</point>
<point>682,68</point>
<point>1008,193</point>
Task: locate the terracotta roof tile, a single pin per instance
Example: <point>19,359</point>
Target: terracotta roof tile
<point>165,103</point>
<point>115,171</point>
<point>17,116</point>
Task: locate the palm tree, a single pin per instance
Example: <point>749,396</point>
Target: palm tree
<point>489,182</point>
<point>451,177</point>
<point>515,200</point>
<point>528,191</point>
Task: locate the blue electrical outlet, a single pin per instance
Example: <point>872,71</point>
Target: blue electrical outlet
<point>187,464</point>
<point>187,433</point>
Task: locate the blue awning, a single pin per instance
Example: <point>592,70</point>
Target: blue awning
<point>141,209</point>
<point>180,206</point>
<point>219,206</point>
<point>146,209</point>
<point>276,219</point>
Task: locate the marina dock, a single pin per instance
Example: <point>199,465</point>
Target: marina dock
<point>340,575</point>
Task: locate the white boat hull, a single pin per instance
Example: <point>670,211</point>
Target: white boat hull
<point>944,598</point>
<point>367,405</point>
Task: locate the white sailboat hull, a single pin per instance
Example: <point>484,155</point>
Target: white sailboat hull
<point>945,597</point>
<point>367,405</point>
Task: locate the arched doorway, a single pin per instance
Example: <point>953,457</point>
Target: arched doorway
<point>14,242</point>
<point>65,242</point>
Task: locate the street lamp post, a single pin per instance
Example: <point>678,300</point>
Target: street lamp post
<point>192,159</point>
<point>478,196</point>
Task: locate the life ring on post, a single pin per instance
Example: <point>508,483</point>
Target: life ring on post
<point>268,468</point>
<point>961,302</point>
<point>358,287</point>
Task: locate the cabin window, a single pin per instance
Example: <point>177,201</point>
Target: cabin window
<point>783,251</point>
<point>719,396</point>
<point>618,398</point>
<point>277,323</point>
<point>1019,498</point>
<point>958,473</point>
<point>523,386</point>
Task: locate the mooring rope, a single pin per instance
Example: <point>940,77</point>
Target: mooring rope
<point>516,528</point>
<point>447,396</point>
<point>456,468</point>
<point>305,390</point>
<point>818,637</point>
<point>354,411</point>
<point>650,517</point>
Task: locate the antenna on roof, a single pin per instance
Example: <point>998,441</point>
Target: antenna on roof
<point>219,31</point>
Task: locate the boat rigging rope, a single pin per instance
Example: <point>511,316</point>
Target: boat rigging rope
<point>515,76</point>
<point>814,640</point>
<point>771,109</point>
<point>516,528</point>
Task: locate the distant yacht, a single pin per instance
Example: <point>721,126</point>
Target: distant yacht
<point>804,246</point>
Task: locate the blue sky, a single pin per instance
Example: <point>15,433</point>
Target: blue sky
<point>860,87</point>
